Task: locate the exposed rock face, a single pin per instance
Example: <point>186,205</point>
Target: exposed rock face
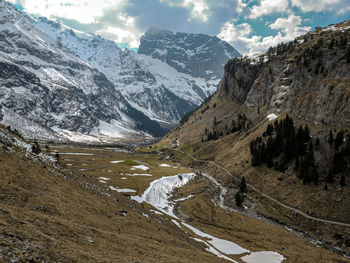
<point>45,89</point>
<point>310,80</point>
<point>199,55</point>
<point>67,80</point>
<point>149,85</point>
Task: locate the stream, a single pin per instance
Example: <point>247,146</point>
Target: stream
<point>158,195</point>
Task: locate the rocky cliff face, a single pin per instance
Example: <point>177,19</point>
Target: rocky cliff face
<point>56,81</point>
<point>46,89</point>
<point>309,78</point>
<point>199,55</point>
<point>153,87</point>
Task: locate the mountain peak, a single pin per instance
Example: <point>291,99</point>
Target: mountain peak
<point>199,55</point>
<point>156,32</point>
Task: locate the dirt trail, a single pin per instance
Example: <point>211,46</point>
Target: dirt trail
<point>267,196</point>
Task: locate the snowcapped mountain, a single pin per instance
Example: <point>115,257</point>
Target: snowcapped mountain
<point>57,81</point>
<point>150,85</point>
<point>46,90</point>
<point>198,55</point>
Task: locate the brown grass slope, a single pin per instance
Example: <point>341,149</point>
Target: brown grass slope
<point>310,80</point>
<point>49,214</point>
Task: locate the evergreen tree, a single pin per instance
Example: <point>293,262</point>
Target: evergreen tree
<point>331,44</point>
<point>330,177</point>
<point>347,147</point>
<point>300,141</point>
<point>348,55</point>
<point>239,198</point>
<point>306,134</point>
<point>57,157</point>
<point>339,139</point>
<point>339,163</point>
<point>243,185</point>
<point>36,147</point>
<point>342,180</point>
<point>330,137</point>
<point>317,142</point>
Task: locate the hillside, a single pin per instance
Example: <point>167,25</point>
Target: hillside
<point>109,205</point>
<point>50,214</point>
<point>308,79</point>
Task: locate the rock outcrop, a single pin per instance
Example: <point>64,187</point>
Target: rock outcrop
<point>198,55</point>
<point>309,79</point>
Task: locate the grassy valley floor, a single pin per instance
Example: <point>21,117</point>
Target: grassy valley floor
<point>82,212</point>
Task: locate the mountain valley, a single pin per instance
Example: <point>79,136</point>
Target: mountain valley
<point>185,151</point>
<point>80,208</point>
<point>81,87</point>
<point>255,101</point>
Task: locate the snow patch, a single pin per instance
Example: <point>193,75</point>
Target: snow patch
<point>104,178</point>
<point>141,167</point>
<point>164,165</point>
<point>113,188</point>
<point>222,245</point>
<point>125,190</point>
<point>176,223</point>
<point>139,175</point>
<point>272,116</point>
<point>156,212</point>
<point>137,198</point>
<point>119,161</point>
<point>263,257</point>
<point>145,215</point>
<point>184,198</point>
<point>214,251</point>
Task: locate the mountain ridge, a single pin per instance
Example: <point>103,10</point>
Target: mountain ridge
<point>197,54</point>
<point>253,126</point>
<point>80,67</point>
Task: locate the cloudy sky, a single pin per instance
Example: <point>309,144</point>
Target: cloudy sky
<point>250,26</point>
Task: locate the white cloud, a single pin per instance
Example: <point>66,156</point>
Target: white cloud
<point>320,5</point>
<point>80,10</point>
<point>121,35</point>
<point>342,11</point>
<point>240,6</point>
<point>239,36</point>
<point>268,7</point>
<point>199,9</point>
<point>107,15</point>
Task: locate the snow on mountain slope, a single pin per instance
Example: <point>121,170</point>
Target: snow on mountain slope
<point>199,55</point>
<point>52,90</point>
<point>149,85</point>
